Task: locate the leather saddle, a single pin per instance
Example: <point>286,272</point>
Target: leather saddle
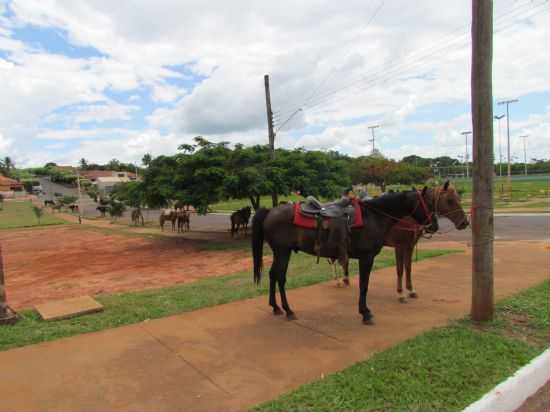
<point>340,208</point>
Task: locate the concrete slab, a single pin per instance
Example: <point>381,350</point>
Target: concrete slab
<point>68,308</point>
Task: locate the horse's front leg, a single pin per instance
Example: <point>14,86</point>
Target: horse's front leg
<point>399,264</point>
<point>408,270</point>
<point>365,267</point>
<point>283,257</point>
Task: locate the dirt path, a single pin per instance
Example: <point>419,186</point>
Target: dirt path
<point>66,261</point>
<point>233,356</point>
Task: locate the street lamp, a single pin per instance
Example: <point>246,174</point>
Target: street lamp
<point>498,118</point>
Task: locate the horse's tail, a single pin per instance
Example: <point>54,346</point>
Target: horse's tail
<point>258,242</point>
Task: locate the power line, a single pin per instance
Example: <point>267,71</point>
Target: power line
<point>409,62</point>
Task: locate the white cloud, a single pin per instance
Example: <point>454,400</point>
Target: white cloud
<point>308,48</point>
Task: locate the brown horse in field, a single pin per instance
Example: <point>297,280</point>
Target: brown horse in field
<point>168,215</point>
<point>405,234</point>
<point>184,220</point>
<point>239,220</point>
<point>137,217</point>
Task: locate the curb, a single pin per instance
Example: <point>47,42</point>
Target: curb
<point>514,391</point>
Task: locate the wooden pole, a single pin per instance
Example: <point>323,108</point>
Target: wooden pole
<point>271,132</point>
<point>482,202</point>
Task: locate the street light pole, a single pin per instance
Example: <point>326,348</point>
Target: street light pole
<point>507,103</point>
<point>498,118</point>
<point>525,152</point>
<point>465,134</point>
<point>372,140</point>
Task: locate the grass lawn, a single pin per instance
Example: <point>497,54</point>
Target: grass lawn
<point>17,214</point>
<point>522,190</point>
<point>128,308</point>
<point>445,369</point>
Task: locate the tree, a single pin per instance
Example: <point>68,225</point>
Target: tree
<point>131,193</point>
<point>116,209</point>
<point>147,158</point>
<point>114,164</point>
<point>83,164</point>
<point>38,212</point>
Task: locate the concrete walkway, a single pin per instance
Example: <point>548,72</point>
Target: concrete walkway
<point>234,356</point>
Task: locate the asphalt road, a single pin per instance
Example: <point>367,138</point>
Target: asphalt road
<point>507,227</point>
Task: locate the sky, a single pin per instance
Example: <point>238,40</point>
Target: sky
<point>98,79</point>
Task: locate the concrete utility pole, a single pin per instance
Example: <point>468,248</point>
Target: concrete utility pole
<point>507,103</point>
<point>466,156</point>
<point>271,132</point>
<point>498,118</point>
<point>482,197</point>
<point>373,138</point>
<point>525,152</point>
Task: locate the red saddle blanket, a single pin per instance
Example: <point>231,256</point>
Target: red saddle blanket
<point>310,222</point>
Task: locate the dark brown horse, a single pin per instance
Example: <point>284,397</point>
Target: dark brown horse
<point>168,215</point>
<point>379,215</point>
<point>240,219</point>
<point>184,220</point>
<point>404,235</point>
<point>137,217</point>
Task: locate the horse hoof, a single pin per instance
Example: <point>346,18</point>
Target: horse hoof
<point>413,295</point>
<point>277,312</point>
<point>402,299</point>
<point>291,316</point>
<point>368,322</point>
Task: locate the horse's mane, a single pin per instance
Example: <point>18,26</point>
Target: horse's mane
<point>391,203</point>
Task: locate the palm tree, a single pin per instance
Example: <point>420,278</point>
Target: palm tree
<point>8,164</point>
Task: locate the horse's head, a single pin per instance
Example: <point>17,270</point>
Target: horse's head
<point>424,209</point>
<point>448,205</point>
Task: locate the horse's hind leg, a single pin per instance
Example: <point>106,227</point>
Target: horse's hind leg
<point>272,288</point>
<point>399,255</point>
<point>283,257</point>
<point>408,269</point>
<point>345,268</point>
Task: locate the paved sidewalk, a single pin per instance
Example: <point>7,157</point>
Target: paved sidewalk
<point>234,356</point>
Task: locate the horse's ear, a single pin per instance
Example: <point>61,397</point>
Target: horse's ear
<point>446,185</point>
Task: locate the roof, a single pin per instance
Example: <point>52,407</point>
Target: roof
<point>6,181</point>
<point>94,174</point>
<point>112,179</point>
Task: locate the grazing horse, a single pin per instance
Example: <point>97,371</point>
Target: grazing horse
<point>50,203</point>
<point>404,235</point>
<point>73,208</point>
<point>239,219</point>
<point>379,216</point>
<point>184,220</point>
<point>102,210</point>
<point>168,214</point>
<point>137,217</point>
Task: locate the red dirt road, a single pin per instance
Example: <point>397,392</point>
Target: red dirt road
<point>55,263</point>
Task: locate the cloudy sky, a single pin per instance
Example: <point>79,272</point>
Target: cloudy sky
<point>102,79</point>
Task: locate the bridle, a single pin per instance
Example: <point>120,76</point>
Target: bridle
<point>422,203</point>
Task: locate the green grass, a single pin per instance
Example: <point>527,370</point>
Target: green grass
<point>128,308</point>
<point>236,204</point>
<point>17,214</point>
<point>445,369</point>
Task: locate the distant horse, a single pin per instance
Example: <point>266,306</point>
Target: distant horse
<point>239,219</point>
<point>50,203</point>
<point>102,209</point>
<point>137,217</point>
<point>168,215</point>
<point>73,208</point>
<point>404,235</point>
<point>184,220</point>
<point>379,216</point>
